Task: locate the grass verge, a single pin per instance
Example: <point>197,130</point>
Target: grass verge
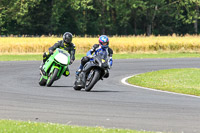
<point>184,81</point>
<point>18,57</point>
<point>11,126</point>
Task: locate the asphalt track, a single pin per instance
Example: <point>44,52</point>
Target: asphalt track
<point>110,104</point>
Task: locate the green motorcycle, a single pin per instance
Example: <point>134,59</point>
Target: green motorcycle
<point>54,67</point>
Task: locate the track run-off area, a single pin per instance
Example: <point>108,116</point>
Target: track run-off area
<point>110,104</point>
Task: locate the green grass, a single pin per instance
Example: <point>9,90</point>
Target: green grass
<point>115,56</point>
<point>186,81</point>
<point>11,126</point>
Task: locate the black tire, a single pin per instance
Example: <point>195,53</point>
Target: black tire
<point>77,88</point>
<point>42,82</point>
<point>52,77</point>
<point>96,76</point>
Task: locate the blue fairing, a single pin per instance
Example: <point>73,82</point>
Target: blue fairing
<point>89,53</point>
<point>102,52</point>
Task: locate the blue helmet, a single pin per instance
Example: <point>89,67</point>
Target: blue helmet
<point>103,39</point>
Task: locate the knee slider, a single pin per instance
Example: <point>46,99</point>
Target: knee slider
<point>66,73</point>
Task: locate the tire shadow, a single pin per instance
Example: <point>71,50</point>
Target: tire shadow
<point>62,86</point>
<point>102,91</point>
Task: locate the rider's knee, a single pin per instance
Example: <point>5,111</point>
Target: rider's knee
<point>44,57</point>
<point>66,73</point>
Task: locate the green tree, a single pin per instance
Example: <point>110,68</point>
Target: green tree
<point>13,13</point>
<point>188,12</point>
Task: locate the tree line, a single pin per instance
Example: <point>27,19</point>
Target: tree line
<point>94,17</point>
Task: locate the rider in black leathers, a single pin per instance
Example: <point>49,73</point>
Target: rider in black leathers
<point>65,44</point>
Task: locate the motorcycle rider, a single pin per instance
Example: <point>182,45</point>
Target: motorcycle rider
<point>102,46</point>
<point>65,44</point>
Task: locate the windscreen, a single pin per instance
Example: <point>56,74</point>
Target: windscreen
<point>63,52</point>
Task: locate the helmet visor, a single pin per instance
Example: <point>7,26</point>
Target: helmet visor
<point>68,40</point>
<point>104,43</point>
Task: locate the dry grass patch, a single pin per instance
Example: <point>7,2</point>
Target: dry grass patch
<point>126,44</point>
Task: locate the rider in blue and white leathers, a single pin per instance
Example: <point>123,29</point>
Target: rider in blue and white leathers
<point>102,47</point>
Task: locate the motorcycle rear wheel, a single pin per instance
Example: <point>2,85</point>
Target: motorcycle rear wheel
<point>77,88</point>
<point>93,81</point>
<point>52,77</point>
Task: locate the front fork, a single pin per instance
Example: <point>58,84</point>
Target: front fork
<point>90,74</point>
<point>60,72</point>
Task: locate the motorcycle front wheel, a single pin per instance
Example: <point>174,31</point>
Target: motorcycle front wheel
<point>52,77</point>
<point>92,80</point>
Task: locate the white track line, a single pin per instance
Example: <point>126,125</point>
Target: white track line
<point>126,83</point>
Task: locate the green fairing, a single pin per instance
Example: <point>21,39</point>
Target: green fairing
<point>45,77</point>
<point>51,64</point>
<point>48,63</point>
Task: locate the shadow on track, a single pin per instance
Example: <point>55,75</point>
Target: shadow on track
<point>62,86</point>
<point>82,90</point>
<point>102,91</point>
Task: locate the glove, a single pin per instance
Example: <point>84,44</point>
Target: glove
<point>71,61</point>
<point>50,52</point>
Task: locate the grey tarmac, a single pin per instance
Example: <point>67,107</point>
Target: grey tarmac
<point>110,104</point>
